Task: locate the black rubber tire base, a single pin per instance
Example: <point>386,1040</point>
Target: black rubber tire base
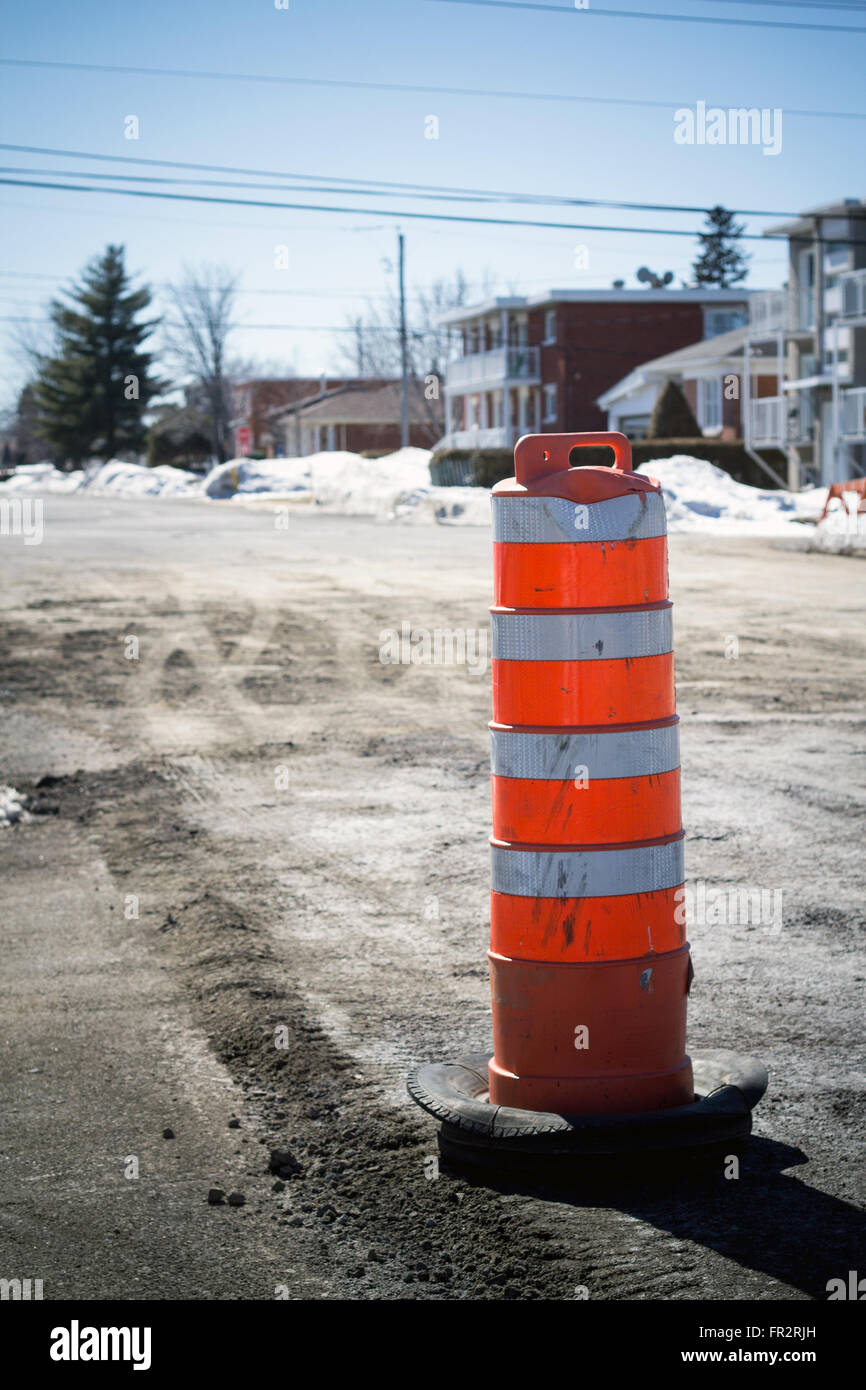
<point>476,1134</point>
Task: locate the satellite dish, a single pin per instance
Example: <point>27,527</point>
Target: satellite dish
<point>643,274</point>
<point>668,276</point>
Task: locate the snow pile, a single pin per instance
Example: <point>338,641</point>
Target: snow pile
<point>699,496</point>
<point>367,487</point>
<point>11,807</point>
<point>843,530</point>
<point>114,477</point>
<point>336,481</point>
<point>41,477</point>
<point>132,480</point>
<point>844,517</point>
<point>396,487</point>
<point>243,478</point>
<point>443,506</point>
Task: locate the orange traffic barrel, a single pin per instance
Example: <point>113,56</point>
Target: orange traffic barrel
<point>589,966</point>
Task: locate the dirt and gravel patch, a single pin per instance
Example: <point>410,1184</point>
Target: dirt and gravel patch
<point>304,830</point>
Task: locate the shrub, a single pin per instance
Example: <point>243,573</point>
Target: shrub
<point>471,467</point>
<point>672,416</point>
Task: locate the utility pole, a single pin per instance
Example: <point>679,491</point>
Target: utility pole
<point>359,346</point>
<point>404,350</point>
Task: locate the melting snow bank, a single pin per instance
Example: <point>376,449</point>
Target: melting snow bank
<point>396,487</point>
<point>131,480</point>
<point>701,497</point>
<point>698,495</point>
<point>11,807</point>
<point>115,477</point>
<point>445,506</point>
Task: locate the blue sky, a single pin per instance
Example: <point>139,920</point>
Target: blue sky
<point>337,260</point>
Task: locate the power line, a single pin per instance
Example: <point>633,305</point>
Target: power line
<point>644,14</point>
<point>466,195</point>
<point>438,189</point>
<point>295,187</point>
<point>257,327</point>
<point>392,212</point>
<point>319,207</point>
<point>793,4</point>
<point>594,349</point>
<point>411,87</point>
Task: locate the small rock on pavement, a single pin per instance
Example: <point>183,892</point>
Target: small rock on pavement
<point>236,1199</point>
<point>168,1134</point>
<point>279,1186</point>
<point>283,1163</point>
<point>234,1123</point>
<point>215,1196</point>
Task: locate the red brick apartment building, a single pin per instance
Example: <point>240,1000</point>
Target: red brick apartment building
<point>535,365</point>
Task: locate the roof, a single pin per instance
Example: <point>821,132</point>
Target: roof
<point>689,296</point>
<point>357,405</point>
<point>804,224</point>
<point>339,388</point>
<point>723,352</point>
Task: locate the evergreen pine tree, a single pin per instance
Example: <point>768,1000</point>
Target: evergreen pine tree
<point>721,262</point>
<point>93,389</point>
<point>672,416</point>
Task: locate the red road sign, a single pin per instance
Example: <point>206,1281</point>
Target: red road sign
<point>243,440</point>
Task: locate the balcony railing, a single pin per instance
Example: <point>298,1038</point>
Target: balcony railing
<point>485,370</point>
<point>782,420</point>
<point>771,311</point>
<point>853,294</point>
<point>769,417</point>
<point>781,311</point>
<point>853,413</point>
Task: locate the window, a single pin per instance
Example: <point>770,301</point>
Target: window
<point>635,426</point>
<point>837,256</point>
<point>710,404</point>
<point>550,403</point>
<point>841,358</point>
<point>722,321</point>
<point>550,325</point>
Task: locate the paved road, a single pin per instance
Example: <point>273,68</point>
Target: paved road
<point>302,833</point>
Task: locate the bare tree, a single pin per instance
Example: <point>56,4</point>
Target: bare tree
<point>203,306</point>
<point>373,348</point>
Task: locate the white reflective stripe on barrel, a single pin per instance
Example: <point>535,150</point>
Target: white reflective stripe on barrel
<point>619,753</point>
<point>610,873</point>
<point>542,520</point>
<point>581,636</point>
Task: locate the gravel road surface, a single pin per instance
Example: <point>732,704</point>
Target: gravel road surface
<point>252,892</point>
